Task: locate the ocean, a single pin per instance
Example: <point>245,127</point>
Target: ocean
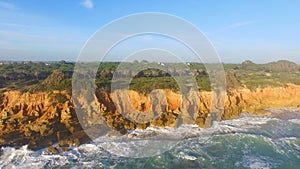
<point>249,142</point>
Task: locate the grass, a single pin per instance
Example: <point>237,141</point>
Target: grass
<point>30,76</point>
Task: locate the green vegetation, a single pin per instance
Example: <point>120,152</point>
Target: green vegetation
<point>23,75</point>
<point>32,77</point>
<point>60,98</point>
<point>277,73</point>
<point>146,85</point>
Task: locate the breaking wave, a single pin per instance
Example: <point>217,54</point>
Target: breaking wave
<point>253,142</point>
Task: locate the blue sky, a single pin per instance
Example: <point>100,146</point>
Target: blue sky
<point>42,30</point>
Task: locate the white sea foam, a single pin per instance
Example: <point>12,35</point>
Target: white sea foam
<point>188,157</point>
<point>254,162</point>
<point>24,158</point>
<point>157,140</point>
<point>293,142</point>
<point>295,121</point>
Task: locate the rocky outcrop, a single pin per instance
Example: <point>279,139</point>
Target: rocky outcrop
<point>35,119</point>
<point>54,79</point>
<point>270,97</point>
<point>42,119</point>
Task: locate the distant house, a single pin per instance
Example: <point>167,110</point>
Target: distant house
<point>160,63</point>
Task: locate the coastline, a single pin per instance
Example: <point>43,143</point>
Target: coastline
<point>269,141</point>
<point>42,119</point>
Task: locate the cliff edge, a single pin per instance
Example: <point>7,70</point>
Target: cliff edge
<point>41,119</point>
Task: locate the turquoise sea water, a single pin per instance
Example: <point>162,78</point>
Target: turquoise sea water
<point>271,141</point>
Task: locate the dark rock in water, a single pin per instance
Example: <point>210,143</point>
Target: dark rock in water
<point>52,150</point>
<point>15,139</point>
<point>71,141</point>
<point>56,150</point>
<point>37,141</point>
<point>64,149</point>
<point>1,151</point>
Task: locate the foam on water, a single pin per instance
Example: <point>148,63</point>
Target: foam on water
<point>254,162</point>
<point>24,158</point>
<point>296,121</point>
<point>248,142</point>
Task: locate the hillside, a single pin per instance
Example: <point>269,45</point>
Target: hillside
<point>30,76</point>
<point>38,109</point>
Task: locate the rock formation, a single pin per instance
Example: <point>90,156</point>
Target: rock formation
<point>42,119</point>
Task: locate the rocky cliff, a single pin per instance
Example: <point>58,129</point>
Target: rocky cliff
<point>42,119</point>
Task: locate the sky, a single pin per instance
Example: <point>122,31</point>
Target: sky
<point>50,30</point>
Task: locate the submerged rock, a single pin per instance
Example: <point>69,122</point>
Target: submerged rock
<point>52,150</point>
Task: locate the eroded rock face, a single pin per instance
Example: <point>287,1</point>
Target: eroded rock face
<point>41,120</point>
<point>35,119</point>
<point>254,101</point>
<point>190,107</point>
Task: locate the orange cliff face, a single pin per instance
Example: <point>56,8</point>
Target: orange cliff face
<point>173,104</point>
<point>41,119</point>
<point>270,97</point>
<point>35,119</point>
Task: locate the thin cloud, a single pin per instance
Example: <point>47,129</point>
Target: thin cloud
<point>239,24</point>
<point>9,6</point>
<point>88,4</point>
<point>22,36</point>
<point>21,26</point>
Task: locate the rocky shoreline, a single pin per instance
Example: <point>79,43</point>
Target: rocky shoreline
<point>42,119</point>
